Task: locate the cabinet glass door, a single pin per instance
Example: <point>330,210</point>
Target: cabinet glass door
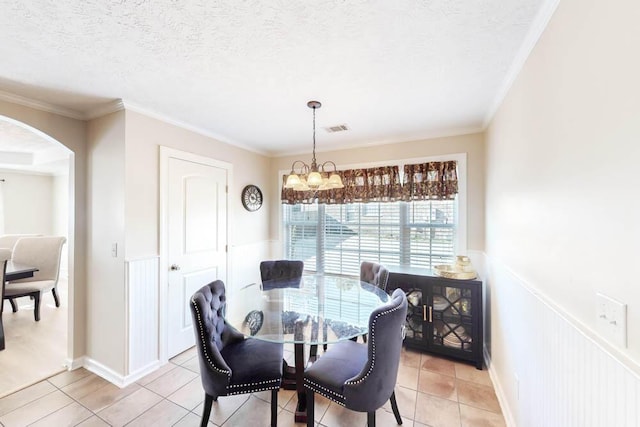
<point>451,317</point>
<point>415,314</point>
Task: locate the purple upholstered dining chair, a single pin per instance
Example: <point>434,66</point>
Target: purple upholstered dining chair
<point>282,273</point>
<point>362,377</point>
<point>374,274</point>
<point>229,362</point>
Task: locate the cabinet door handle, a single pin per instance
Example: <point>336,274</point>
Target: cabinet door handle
<point>424,312</point>
<point>430,314</point>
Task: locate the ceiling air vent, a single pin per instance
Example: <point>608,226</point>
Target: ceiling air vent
<point>337,128</point>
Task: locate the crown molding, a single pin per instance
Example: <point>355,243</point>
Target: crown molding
<point>445,133</point>
<point>41,105</point>
<point>118,105</point>
<point>103,110</point>
<point>195,129</point>
<point>535,32</point>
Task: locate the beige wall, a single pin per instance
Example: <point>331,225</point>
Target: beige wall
<point>471,144</point>
<point>120,169</point>
<point>28,203</point>
<point>562,182</point>
<point>71,134</point>
<point>106,316</point>
<point>124,209</point>
<point>248,231</point>
<point>144,137</point>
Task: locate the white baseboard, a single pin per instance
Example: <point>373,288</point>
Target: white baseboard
<point>73,364</point>
<point>114,377</point>
<point>497,387</point>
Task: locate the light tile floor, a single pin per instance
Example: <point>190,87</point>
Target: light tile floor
<point>430,391</point>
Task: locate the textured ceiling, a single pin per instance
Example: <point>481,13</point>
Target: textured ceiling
<point>23,149</point>
<point>243,70</point>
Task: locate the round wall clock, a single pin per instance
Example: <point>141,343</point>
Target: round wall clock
<point>251,198</point>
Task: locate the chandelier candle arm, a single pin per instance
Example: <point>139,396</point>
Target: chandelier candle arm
<point>312,177</point>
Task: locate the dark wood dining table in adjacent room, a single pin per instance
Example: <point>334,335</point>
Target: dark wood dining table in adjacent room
<point>14,272</point>
<point>17,271</point>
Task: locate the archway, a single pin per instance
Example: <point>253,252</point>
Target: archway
<point>38,189</point>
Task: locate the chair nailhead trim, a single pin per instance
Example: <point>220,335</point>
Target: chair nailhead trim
<point>253,390</point>
<point>204,344</point>
<point>373,344</point>
<point>252,384</point>
<point>329,394</point>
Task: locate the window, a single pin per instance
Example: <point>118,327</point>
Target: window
<point>336,238</point>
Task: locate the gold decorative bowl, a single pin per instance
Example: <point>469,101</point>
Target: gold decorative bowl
<point>454,272</point>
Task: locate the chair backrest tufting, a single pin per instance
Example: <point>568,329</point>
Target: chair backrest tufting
<point>375,274</point>
<point>210,302</point>
<point>212,334</point>
<point>373,386</point>
<point>281,273</point>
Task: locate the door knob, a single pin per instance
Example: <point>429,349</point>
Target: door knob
<point>174,267</point>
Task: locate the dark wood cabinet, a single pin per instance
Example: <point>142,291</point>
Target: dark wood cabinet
<point>444,316</point>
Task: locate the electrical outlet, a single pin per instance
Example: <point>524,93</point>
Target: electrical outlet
<point>612,319</point>
<point>114,250</point>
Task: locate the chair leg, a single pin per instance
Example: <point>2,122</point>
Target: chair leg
<point>206,410</point>
<point>55,297</point>
<point>1,334</point>
<point>14,306</point>
<point>36,308</point>
<point>371,419</point>
<point>310,408</point>
<point>394,407</point>
<point>274,407</point>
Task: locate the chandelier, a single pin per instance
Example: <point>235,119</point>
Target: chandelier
<point>314,177</point>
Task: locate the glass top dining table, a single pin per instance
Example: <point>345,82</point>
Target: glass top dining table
<point>316,309</point>
<point>311,311</point>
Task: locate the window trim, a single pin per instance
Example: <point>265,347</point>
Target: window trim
<point>461,219</point>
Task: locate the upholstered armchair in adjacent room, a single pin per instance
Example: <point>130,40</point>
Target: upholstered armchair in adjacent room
<point>362,377</point>
<point>43,253</point>
<point>229,362</point>
<point>8,241</point>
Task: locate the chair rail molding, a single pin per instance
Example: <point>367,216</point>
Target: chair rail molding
<point>578,378</point>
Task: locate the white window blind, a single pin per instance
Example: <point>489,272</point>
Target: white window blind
<point>337,238</point>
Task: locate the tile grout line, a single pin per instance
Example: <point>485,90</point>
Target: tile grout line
<point>74,400</point>
<point>282,407</point>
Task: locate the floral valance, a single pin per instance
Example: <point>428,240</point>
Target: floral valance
<point>381,184</point>
<point>432,180</point>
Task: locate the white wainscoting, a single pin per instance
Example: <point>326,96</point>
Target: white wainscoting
<point>566,376</point>
<point>142,317</point>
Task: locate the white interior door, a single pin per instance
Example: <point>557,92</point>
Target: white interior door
<point>196,241</point>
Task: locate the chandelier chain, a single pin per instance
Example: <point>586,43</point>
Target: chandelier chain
<point>312,178</point>
<point>313,158</point>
